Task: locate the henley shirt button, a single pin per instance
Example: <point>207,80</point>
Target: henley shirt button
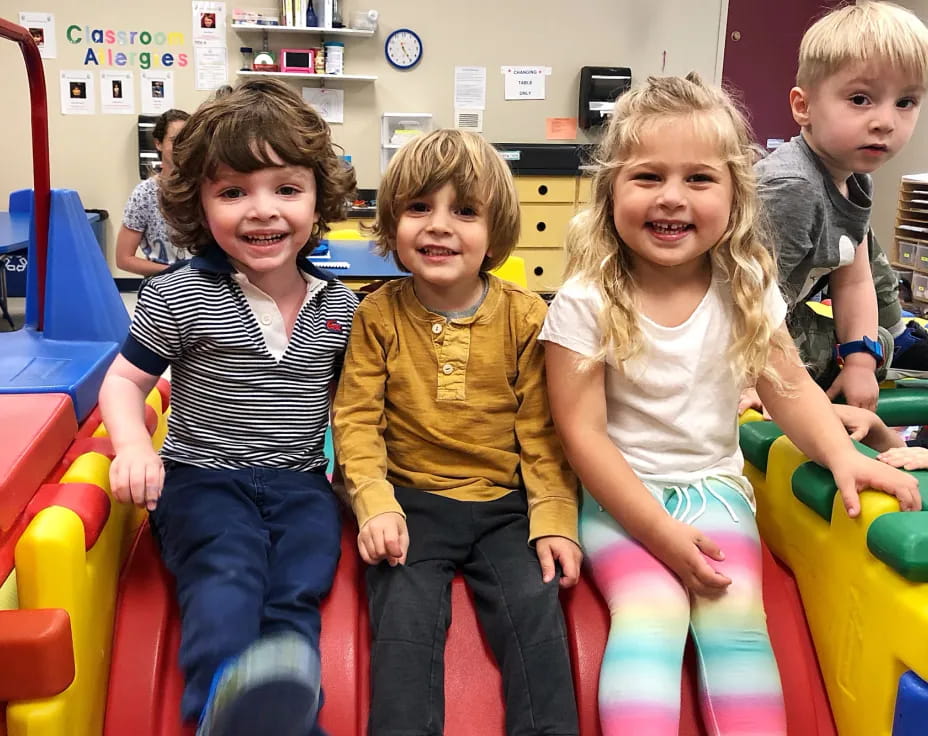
<point>266,319</point>
<point>436,328</point>
<point>447,369</point>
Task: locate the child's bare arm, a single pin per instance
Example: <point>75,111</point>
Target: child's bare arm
<point>807,417</point>
<point>855,315</point>
<point>136,473</point>
<point>865,426</point>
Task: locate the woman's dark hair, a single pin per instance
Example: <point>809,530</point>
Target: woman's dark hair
<point>164,120</point>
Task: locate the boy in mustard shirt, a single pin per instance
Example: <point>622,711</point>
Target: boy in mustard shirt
<point>450,458</point>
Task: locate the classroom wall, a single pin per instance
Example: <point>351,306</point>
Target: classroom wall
<point>97,155</point>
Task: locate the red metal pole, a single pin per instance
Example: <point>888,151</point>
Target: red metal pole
<point>41,179</point>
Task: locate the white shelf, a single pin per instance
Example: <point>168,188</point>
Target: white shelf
<point>317,77</point>
<point>302,29</point>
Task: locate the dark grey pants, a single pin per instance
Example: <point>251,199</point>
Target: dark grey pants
<point>410,608</point>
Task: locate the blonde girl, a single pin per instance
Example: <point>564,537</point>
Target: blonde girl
<point>670,307</point>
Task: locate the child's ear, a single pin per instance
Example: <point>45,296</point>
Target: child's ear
<point>799,104</point>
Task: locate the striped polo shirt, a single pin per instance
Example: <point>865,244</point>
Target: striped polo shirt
<point>233,404</point>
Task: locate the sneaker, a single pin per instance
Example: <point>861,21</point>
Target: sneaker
<point>910,354</point>
<point>271,688</point>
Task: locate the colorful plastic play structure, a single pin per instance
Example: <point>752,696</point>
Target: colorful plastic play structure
<point>89,627</point>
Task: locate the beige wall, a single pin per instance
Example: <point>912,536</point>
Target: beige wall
<point>97,154</point>
<point>913,159</point>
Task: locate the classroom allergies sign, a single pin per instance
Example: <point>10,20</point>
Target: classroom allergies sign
<point>133,48</point>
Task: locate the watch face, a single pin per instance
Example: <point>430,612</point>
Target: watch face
<point>403,48</point>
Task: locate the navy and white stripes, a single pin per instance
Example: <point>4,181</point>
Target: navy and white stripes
<point>233,404</point>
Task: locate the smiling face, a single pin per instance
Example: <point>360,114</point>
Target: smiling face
<point>858,118</point>
<point>261,219</point>
<point>442,242</point>
<point>672,198</point>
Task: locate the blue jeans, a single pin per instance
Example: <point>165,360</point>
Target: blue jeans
<point>253,552</point>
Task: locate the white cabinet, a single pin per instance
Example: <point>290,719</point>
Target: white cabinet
<point>398,128</point>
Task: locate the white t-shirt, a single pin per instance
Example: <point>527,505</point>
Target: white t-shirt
<point>672,410</point>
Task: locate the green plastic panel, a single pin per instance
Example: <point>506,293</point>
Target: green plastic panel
<point>756,438</point>
<point>900,539</point>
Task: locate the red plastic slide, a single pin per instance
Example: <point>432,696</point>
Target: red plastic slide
<point>145,682</point>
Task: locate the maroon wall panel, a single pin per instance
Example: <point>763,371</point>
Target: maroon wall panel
<point>761,64</point>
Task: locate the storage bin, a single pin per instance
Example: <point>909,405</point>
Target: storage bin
<point>920,287</point>
<point>921,258</point>
<point>905,252</point>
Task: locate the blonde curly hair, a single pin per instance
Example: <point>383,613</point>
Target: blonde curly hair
<point>596,253</point>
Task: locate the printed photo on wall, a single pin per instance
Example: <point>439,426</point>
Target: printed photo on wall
<point>77,92</point>
<point>116,93</point>
<point>157,91</point>
<point>42,29</point>
<point>209,23</point>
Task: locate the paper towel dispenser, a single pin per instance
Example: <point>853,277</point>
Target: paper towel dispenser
<point>600,86</point>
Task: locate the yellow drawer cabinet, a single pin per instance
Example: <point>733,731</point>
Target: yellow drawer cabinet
<point>584,188</point>
<point>544,225</point>
<point>546,204</point>
<point>546,188</point>
<point>544,268</point>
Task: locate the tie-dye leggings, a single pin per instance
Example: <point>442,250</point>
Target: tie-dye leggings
<point>651,612</point>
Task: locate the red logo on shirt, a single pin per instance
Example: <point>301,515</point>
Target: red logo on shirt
<point>333,325</point>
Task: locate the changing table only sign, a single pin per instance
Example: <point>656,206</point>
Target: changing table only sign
<point>525,82</point>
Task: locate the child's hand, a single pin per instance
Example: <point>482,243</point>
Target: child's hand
<point>137,476</point>
<point>859,386</point>
<point>563,550</point>
<point>854,472</point>
<point>384,537</point>
<point>910,458</point>
<point>750,400</point>
<point>683,548</point>
<point>865,426</point>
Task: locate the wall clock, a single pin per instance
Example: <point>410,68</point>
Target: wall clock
<point>403,48</point>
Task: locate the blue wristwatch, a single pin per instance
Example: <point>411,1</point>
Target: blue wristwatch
<point>865,345</point>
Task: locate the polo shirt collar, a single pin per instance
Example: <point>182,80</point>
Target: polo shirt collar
<point>215,260</point>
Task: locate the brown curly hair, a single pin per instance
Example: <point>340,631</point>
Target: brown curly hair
<point>241,129</point>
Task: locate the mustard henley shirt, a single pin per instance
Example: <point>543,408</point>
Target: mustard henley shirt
<point>454,407</point>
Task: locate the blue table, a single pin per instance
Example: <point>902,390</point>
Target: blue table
<point>355,260</point>
<point>14,232</point>
<point>14,237</point>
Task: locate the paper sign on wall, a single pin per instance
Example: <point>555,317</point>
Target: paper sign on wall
<point>210,66</point>
<point>117,96</point>
<point>525,82</point>
<point>42,28</point>
<point>156,91</point>
<point>470,87</point>
<point>77,93</point>
<point>329,103</point>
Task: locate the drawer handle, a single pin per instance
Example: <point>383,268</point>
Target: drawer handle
<point>540,227</point>
<point>542,189</point>
<point>538,270</point>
